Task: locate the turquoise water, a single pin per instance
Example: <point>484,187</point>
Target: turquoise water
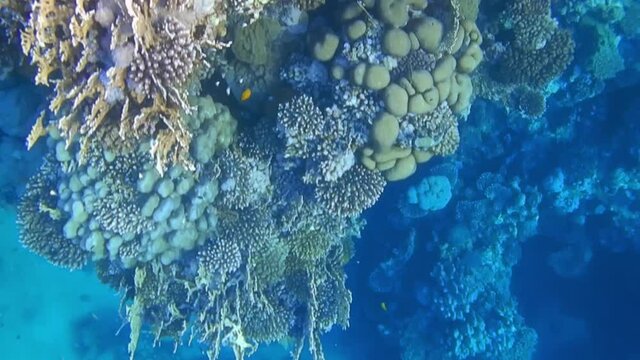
<point>42,306</point>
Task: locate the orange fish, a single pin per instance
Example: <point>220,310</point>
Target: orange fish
<point>246,95</point>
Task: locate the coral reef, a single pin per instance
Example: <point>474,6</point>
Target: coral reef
<point>213,159</point>
<point>540,51</point>
<point>468,311</point>
<point>42,222</point>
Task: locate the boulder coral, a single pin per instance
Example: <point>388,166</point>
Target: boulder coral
<point>418,64</point>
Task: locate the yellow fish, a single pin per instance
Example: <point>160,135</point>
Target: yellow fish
<point>246,95</point>
<point>383,306</point>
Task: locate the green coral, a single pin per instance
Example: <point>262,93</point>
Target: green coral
<point>245,180</point>
<point>219,257</point>
<point>267,261</point>
<point>252,44</point>
<point>333,302</point>
<point>540,50</point>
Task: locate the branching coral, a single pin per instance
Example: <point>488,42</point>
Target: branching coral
<point>541,51</point>
<point>245,180</point>
<point>267,319</point>
<point>220,256</point>
<point>431,131</point>
<point>531,103</point>
<point>125,63</point>
<point>325,140</point>
<point>116,206</point>
<point>242,239</point>
<point>538,67</point>
<point>357,190</point>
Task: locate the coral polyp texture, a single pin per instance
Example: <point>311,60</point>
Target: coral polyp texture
<point>124,67</point>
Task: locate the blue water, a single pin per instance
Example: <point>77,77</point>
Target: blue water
<point>522,242</point>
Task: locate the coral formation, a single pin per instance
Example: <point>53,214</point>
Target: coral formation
<point>125,66</point>
<point>356,190</point>
<point>420,67</point>
<point>41,220</point>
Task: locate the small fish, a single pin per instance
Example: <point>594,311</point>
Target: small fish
<point>246,95</point>
<point>383,306</point>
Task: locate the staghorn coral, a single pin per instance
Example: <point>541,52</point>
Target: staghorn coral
<point>521,9</point>
<point>309,244</point>
<point>333,300</point>
<point>416,60</point>
<point>249,228</point>
<point>166,67</point>
<point>298,121</point>
<point>118,213</point>
<point>41,222</point>
<point>357,190</point>
<point>427,131</point>
<point>116,208</point>
<point>267,261</point>
<point>533,32</point>
<point>449,143</point>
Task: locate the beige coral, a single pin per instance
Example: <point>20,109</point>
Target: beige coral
<point>155,50</point>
